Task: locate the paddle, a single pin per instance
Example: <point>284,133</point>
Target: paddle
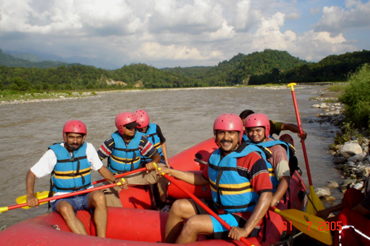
<point>315,204</point>
<point>309,224</point>
<point>4,209</point>
<point>196,199</point>
<point>45,194</point>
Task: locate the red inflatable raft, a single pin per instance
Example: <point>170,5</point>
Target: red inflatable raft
<point>133,226</point>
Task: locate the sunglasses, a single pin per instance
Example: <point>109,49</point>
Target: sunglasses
<point>129,128</point>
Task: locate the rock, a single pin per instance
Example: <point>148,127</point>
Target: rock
<point>350,149</point>
<point>338,146</point>
<point>357,157</point>
<point>351,163</point>
<point>339,160</point>
<point>358,186</point>
<point>332,184</point>
<point>321,192</point>
<point>329,198</point>
<point>346,183</point>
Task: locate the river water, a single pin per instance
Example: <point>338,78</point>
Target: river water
<point>185,115</point>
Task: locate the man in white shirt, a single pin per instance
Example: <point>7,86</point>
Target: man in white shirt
<point>70,165</point>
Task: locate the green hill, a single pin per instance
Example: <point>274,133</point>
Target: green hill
<point>331,68</point>
<point>239,68</point>
<point>11,61</point>
<point>268,66</point>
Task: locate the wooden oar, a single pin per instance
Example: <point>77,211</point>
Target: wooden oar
<point>45,194</point>
<point>315,204</point>
<point>309,224</point>
<point>4,209</point>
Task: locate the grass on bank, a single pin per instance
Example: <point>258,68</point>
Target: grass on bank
<point>355,95</point>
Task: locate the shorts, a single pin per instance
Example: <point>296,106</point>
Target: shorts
<point>78,202</point>
<point>219,231</point>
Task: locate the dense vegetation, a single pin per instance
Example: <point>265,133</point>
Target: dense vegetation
<point>270,66</point>
<point>356,98</point>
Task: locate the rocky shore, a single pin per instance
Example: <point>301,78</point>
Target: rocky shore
<point>352,158</point>
<point>38,97</point>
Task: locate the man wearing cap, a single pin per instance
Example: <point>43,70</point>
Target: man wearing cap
<point>125,149</point>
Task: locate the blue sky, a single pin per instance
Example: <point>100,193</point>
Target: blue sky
<point>170,33</point>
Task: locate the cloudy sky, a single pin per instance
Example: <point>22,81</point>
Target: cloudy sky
<point>170,33</point>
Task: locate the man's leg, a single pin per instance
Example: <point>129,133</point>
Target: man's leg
<point>112,196</point>
<point>199,224</point>
<point>66,210</point>
<point>97,200</point>
<point>180,210</point>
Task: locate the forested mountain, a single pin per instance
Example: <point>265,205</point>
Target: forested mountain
<point>64,77</point>
<point>241,67</point>
<point>269,62</point>
<point>141,75</point>
<point>331,68</point>
<point>269,66</point>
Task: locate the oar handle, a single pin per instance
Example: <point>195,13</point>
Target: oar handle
<point>196,199</point>
<point>3,209</point>
<point>291,85</point>
<point>121,175</point>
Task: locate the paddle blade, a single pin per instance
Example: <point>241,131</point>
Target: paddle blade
<point>3,209</point>
<point>39,195</point>
<point>314,203</point>
<point>309,224</point>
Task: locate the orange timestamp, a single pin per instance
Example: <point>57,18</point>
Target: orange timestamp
<point>323,225</point>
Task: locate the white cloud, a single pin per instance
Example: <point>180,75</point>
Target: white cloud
<point>174,32</point>
<point>337,19</point>
<point>154,51</point>
<point>246,15</point>
<point>269,35</point>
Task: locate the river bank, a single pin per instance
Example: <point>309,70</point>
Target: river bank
<point>73,95</point>
<point>351,158</point>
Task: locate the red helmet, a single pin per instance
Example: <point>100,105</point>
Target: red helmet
<point>124,119</point>
<point>142,118</point>
<point>74,126</point>
<point>229,122</point>
<point>256,120</point>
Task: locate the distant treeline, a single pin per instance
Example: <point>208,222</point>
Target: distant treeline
<point>269,66</point>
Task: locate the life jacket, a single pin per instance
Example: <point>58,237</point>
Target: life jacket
<point>267,154</point>
<point>231,191</point>
<point>71,173</point>
<point>125,157</point>
<point>152,135</point>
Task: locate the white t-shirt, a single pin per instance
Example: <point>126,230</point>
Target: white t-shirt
<point>48,161</point>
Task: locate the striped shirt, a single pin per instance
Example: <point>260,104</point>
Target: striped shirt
<point>145,147</point>
<point>253,167</point>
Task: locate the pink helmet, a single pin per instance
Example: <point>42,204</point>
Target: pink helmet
<point>256,120</point>
<point>229,122</point>
<point>74,126</point>
<point>142,118</point>
<point>124,119</point>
